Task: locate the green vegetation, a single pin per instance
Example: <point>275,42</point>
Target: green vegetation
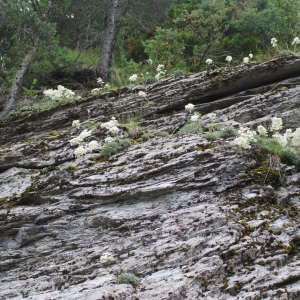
<point>191,127</point>
<point>128,278</point>
<point>146,136</point>
<point>111,148</point>
<point>186,34</point>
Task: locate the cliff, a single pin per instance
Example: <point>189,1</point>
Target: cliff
<point>191,217</point>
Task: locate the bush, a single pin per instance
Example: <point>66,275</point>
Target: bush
<point>161,133</point>
<point>228,132</point>
<point>111,148</point>
<point>191,127</point>
<point>211,136</point>
<point>289,156</point>
<point>128,278</point>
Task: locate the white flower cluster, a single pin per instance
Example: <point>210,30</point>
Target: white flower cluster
<point>106,256</point>
<point>76,123</point>
<point>84,148</point>
<point>96,91</point>
<point>209,61</point>
<point>161,71</point>
<point>274,42</point>
<point>100,81</point>
<point>111,126</point>
<point>246,60</point>
<point>281,139</point>
<point>276,125</point>
<point>251,55</point>
<point>246,137</point>
<point>133,78</point>
<point>79,139</point>
<point>295,141</point>
<point>150,61</point>
<point>194,118</point>
<point>262,131</point>
<point>142,94</point>
<point>190,107</point>
<point>60,93</point>
<point>160,68</point>
<point>212,116</point>
<point>288,138</point>
<point>228,58</point>
<point>296,41</point>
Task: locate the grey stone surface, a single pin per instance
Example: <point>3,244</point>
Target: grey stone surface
<point>184,214</point>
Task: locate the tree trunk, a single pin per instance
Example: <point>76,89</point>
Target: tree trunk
<point>105,56</point>
<point>21,72</point>
<point>17,83</point>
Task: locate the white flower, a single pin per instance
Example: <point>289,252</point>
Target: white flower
<point>262,131</point>
<point>76,141</point>
<point>190,107</point>
<point>160,68</point>
<point>133,77</point>
<point>106,256</point>
<point>106,86</point>
<point>251,55</point>
<point>274,42</point>
<point>296,138</point>
<point>194,118</point>
<point>150,62</point>
<point>80,151</point>
<point>242,142</point>
<point>142,94</point>
<point>114,130</point>
<point>147,73</point>
<point>296,41</point>
<point>100,81</point>
<point>76,123</point>
<point>281,139</point>
<point>93,145</point>
<point>276,124</point>
<point>228,58</point>
<point>109,139</point>
<point>246,60</point>
<point>209,61</point>
<point>248,134</point>
<point>212,116</point>
<point>85,133</point>
<point>159,74</point>
<point>111,125</point>
<point>96,91</point>
<point>288,134</point>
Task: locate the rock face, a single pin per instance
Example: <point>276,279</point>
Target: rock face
<point>192,218</point>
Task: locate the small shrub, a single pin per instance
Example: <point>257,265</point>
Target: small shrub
<point>125,143</point>
<point>286,52</point>
<point>191,127</point>
<point>111,148</point>
<point>289,156</point>
<point>145,136</point>
<point>161,133</point>
<point>214,126</point>
<point>178,73</point>
<point>211,136</point>
<point>128,278</point>
<point>228,132</point>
